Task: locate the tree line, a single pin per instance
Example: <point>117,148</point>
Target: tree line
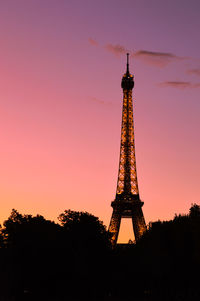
<point>74,260</point>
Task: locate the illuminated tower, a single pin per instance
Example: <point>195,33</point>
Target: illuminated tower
<point>127,203</point>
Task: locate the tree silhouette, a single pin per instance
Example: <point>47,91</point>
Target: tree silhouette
<point>194,211</point>
<point>30,243</point>
<point>84,228</point>
<point>27,230</point>
<point>73,260</point>
<point>88,247</point>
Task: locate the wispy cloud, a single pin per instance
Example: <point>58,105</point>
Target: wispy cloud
<point>155,58</point>
<point>99,101</point>
<point>160,59</point>
<point>194,71</point>
<point>116,49</point>
<point>93,42</point>
<point>179,84</point>
<point>196,85</point>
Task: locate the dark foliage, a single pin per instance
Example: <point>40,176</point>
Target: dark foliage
<point>195,211</point>
<point>84,230</point>
<point>27,231</point>
<point>165,263</point>
<point>41,259</point>
<point>73,260</point>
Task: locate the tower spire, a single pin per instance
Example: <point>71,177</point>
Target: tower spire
<point>127,65</point>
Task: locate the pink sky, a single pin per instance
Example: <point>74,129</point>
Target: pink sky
<point>61,65</point>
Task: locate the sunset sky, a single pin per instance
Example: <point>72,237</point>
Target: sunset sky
<point>61,64</point>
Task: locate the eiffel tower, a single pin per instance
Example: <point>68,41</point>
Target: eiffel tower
<point>127,203</point>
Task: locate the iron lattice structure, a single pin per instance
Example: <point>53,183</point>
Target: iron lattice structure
<point>127,203</point>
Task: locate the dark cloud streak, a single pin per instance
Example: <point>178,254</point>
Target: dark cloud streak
<point>194,71</point>
<point>155,54</point>
<point>159,59</point>
<point>179,84</point>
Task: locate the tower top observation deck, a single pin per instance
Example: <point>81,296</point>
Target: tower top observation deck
<point>127,79</point>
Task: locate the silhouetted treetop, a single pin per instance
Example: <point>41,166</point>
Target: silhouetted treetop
<point>84,227</point>
<point>20,230</point>
<point>70,219</point>
<point>194,211</point>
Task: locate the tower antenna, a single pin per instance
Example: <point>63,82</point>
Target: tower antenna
<point>127,69</point>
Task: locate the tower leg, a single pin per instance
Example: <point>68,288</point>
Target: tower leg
<point>114,226</point>
<point>139,225</point>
